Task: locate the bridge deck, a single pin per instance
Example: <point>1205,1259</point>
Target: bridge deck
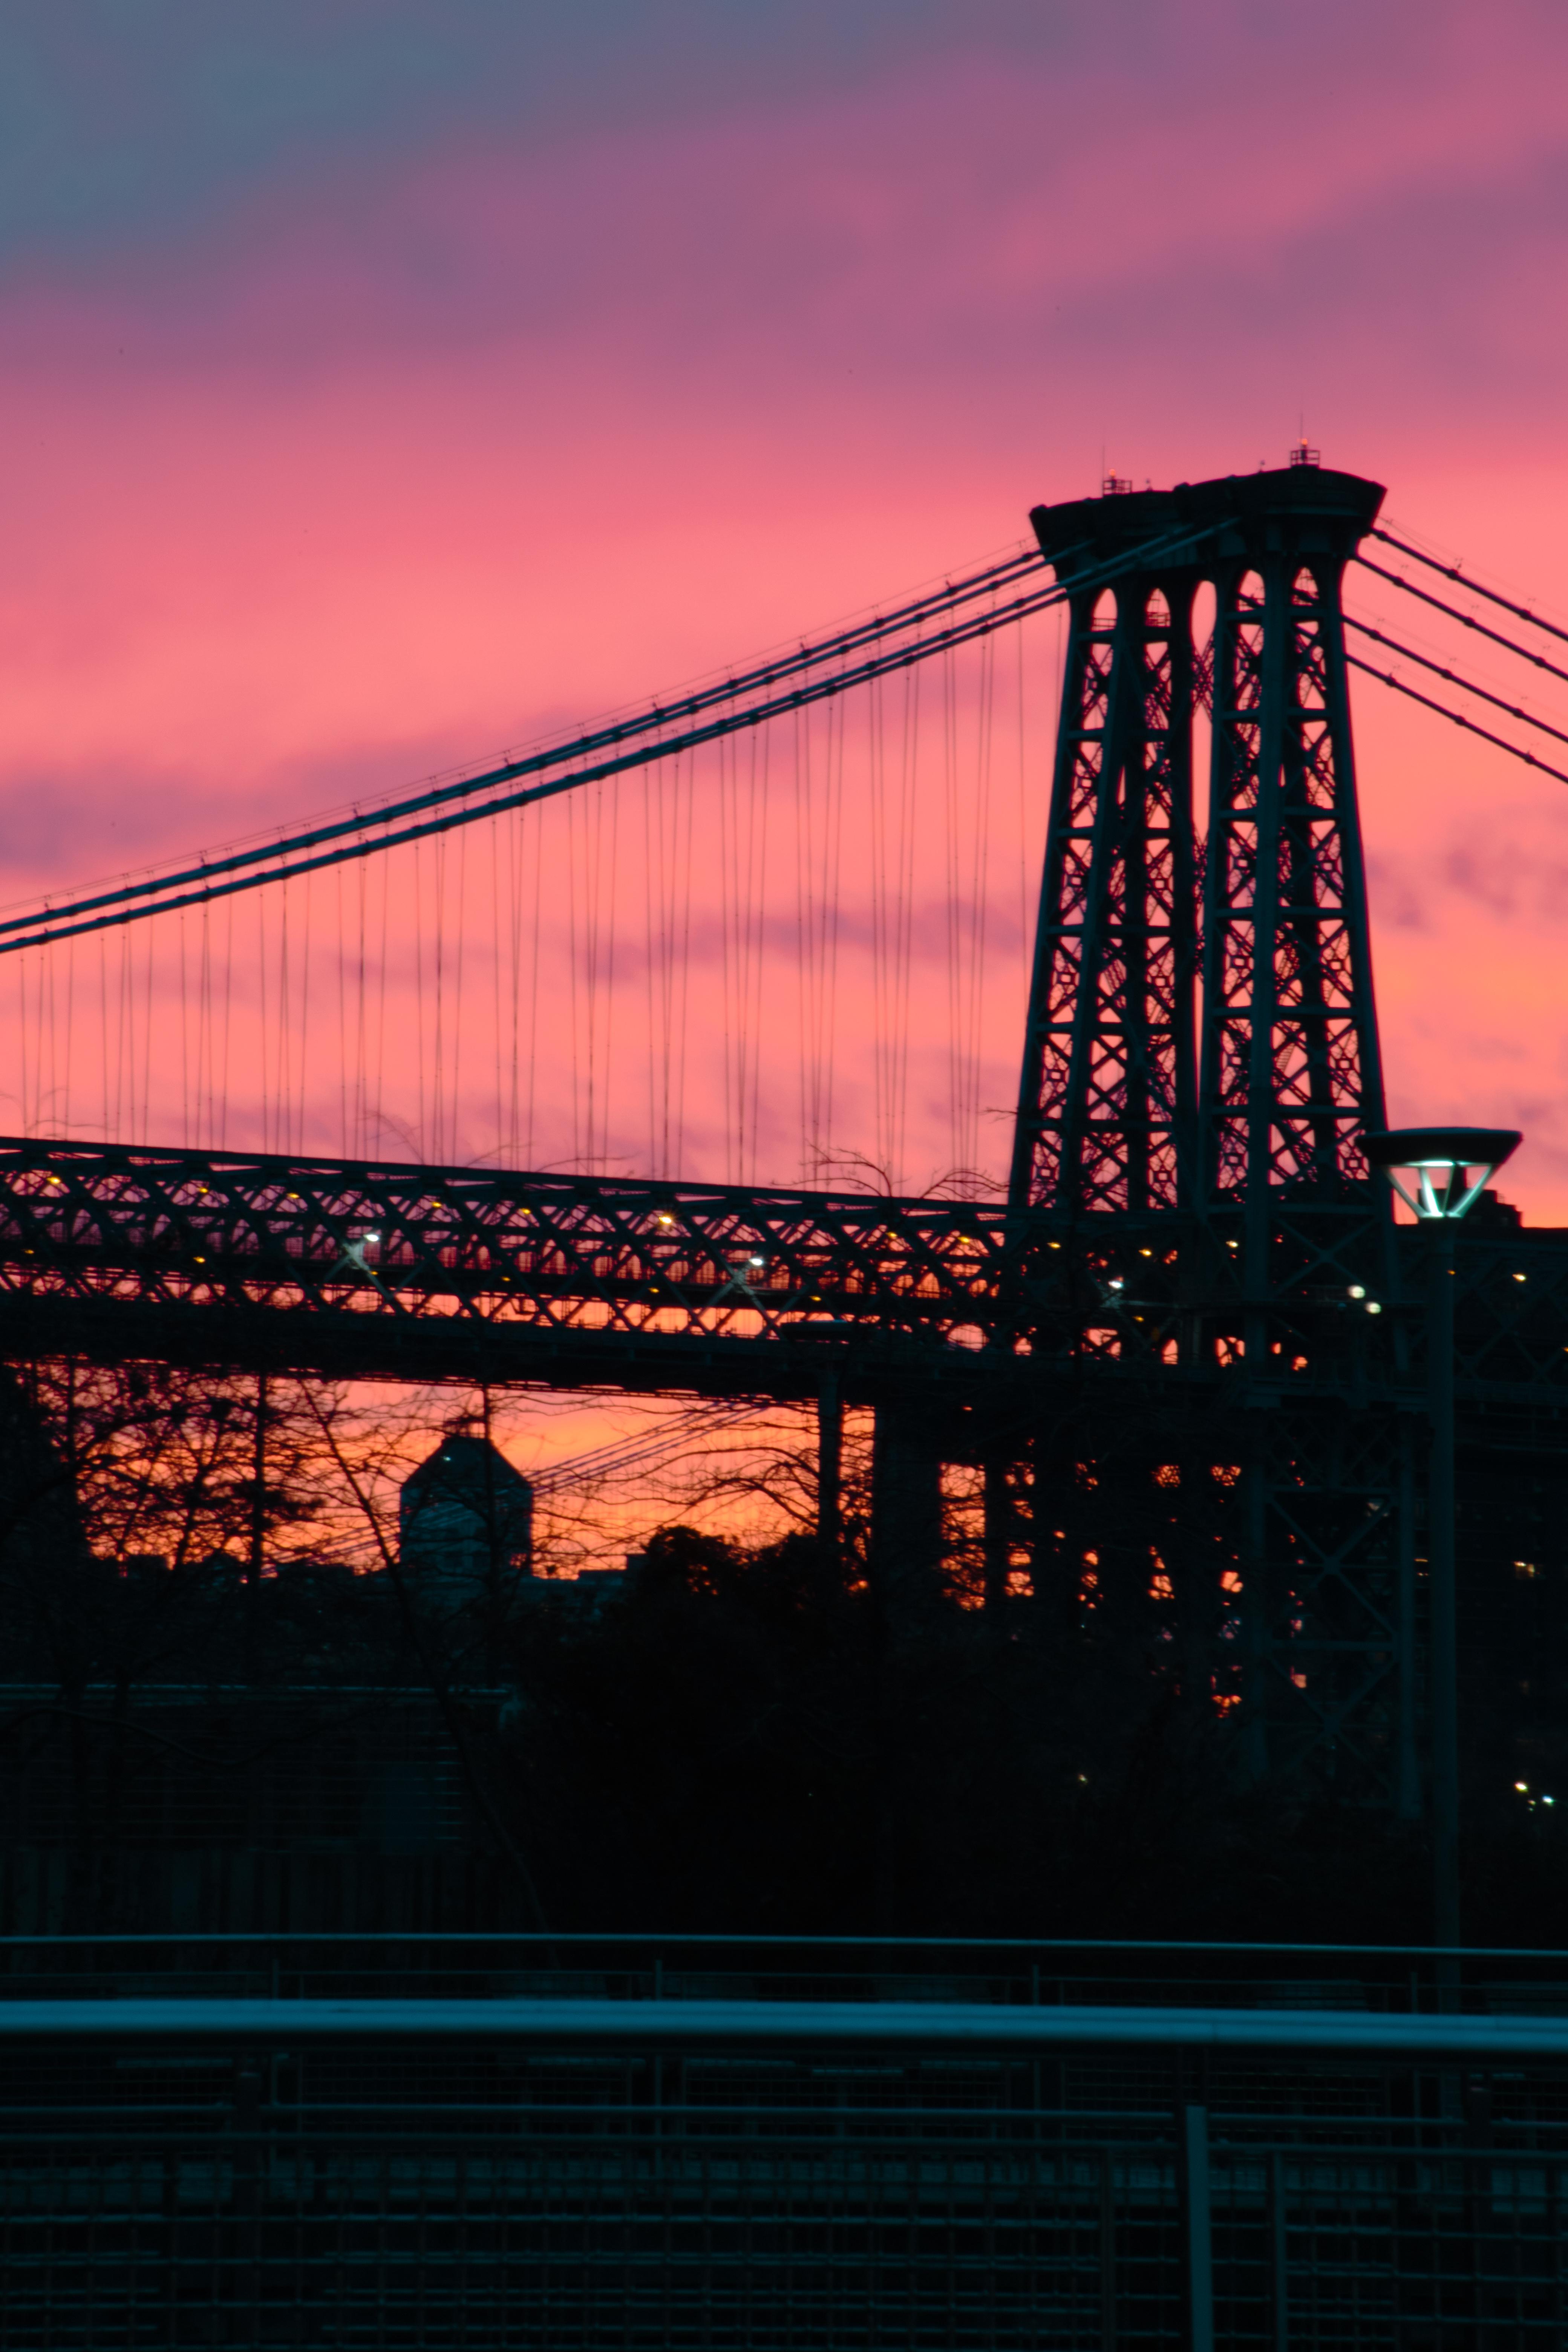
<point>382,1270</point>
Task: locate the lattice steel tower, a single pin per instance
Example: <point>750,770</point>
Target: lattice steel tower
<point>1201,1055</point>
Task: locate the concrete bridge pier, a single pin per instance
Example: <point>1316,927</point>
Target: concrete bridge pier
<point>998,1529</point>
<point>830,1467</point>
<point>906,1514</point>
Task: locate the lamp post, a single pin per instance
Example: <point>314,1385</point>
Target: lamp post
<point>1440,1160</point>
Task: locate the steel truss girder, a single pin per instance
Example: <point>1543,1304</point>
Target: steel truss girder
<point>588,1264</point>
<point>558,1253</point>
<point>1125,1330</point>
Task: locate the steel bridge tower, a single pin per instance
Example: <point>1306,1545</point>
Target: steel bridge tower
<point>1192,1209</point>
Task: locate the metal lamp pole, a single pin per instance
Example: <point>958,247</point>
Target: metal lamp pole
<point>1439,1161</point>
<point>1443,1587</point>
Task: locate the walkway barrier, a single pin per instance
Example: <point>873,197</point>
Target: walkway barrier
<point>667,2164</point>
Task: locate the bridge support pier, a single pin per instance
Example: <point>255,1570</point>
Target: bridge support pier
<point>829,1468</point>
<point>997,1535</point>
<point>906,1514</point>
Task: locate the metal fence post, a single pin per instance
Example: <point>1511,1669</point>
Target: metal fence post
<point>1278,2252</point>
<point>1195,2206</point>
<point>1107,2249</point>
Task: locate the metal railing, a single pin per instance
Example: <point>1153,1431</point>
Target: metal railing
<point>403,2148</point>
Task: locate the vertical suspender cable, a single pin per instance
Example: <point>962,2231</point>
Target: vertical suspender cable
<point>456,1086</point>
<point>184,1034</point>
<point>760,808</point>
<point>729,935</point>
<point>375,1109</point>
<point>650,966</point>
<point>228,1022</point>
<point>105,1057</point>
<point>580,1079</point>
<point>538,823</point>
<point>22,1113</point>
<point>979,900</point>
<point>952,893</point>
<point>437,1150</point>
<point>282,1119</point>
<point>883,1061</point>
<point>68,1104</point>
<point>203,1035</point>
<point>686,822</point>
<point>803,939</point>
<point>833,877</point>
<point>419,1007</point>
<point>305,1017</point>
<point>344,1145</point>
<point>265,1038</point>
<point>147,1043</point>
<point>497,1153</point>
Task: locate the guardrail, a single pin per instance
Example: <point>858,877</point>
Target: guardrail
<point>658,2163</point>
<point>1385,1979</point>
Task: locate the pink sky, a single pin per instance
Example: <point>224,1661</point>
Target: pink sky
<point>364,428</point>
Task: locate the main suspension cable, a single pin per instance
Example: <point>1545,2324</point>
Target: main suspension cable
<point>1458,719</point>
<point>656,718</point>
<point>1465,620</point>
<point>1462,580</point>
<point>330,843</point>
<point>1482,694</point>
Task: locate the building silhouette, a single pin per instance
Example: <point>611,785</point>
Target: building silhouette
<point>466,1522</point>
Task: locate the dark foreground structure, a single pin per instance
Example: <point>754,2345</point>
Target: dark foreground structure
<point>1192,1297</point>
<point>496,2142</point>
<point>1187,1358</point>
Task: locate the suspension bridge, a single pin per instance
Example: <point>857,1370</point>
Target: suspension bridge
<point>1168,1269</point>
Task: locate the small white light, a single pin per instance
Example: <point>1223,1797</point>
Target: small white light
<point>758,1261</point>
<point>373,1237</point>
<point>1524,1787</point>
<point>1374,1307</point>
<point>1358,1290</point>
<point>1549,1800</point>
<point>1116,1282</point>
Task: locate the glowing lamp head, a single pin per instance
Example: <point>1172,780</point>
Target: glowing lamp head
<point>1448,1168</point>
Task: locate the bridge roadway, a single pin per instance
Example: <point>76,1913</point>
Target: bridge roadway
<point>389,1270</point>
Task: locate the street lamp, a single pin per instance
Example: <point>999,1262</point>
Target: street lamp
<point>1439,1161</point>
